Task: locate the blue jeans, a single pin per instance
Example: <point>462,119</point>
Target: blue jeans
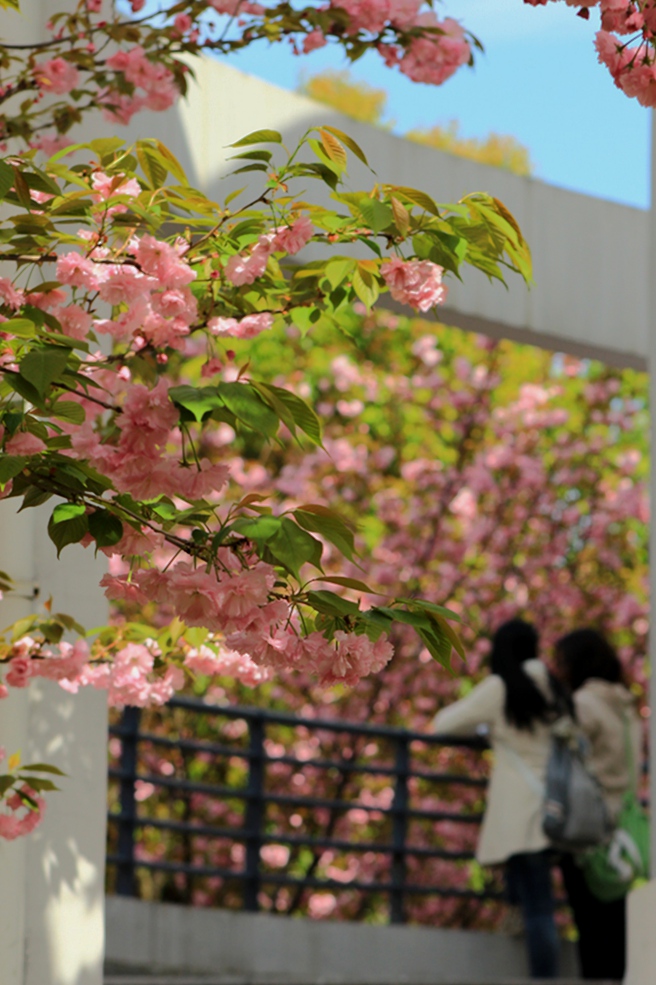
<point>528,882</point>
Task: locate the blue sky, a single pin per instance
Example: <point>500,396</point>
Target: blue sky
<point>538,80</point>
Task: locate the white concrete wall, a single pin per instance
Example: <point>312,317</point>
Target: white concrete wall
<point>52,881</point>
<point>258,949</point>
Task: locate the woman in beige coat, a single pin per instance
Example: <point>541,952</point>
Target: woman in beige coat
<point>515,705</point>
<point>605,710</point>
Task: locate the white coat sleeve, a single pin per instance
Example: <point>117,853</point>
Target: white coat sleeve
<point>482,706</point>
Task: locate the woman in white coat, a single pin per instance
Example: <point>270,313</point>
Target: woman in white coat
<point>605,710</point>
<point>515,705</point>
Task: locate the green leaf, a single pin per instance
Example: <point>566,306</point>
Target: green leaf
<point>417,197</point>
<point>260,528</point>
<point>440,610</point>
<point>34,497</point>
<point>151,166</point>
<point>355,583</point>
<point>348,142</point>
<point>329,524</point>
<point>22,189</point>
<point>365,286</point>
<point>39,784</point>
<point>105,528</point>
<point>248,407</point>
<point>67,525</point>
<point>198,401</point>
<point>42,367</point>
<point>250,167</point>
<point>294,547</point>
<point>298,412</point>
<point>416,619</point>
<point>6,780</point>
<point>69,410</point>
<point>338,269</point>
<point>333,149</point>
<point>251,155</point>
<point>378,215</point>
<point>42,768</point>
<point>28,801</point>
<point>26,390</point>
<point>172,163</point>
<point>259,137</point>
<point>329,165</point>
<point>106,147</point>
<point>450,633</point>
<point>401,216</point>
<point>301,318</point>
<point>11,465</point>
<point>438,646</point>
<point>22,327</point>
<point>330,604</point>
<point>6,179</point>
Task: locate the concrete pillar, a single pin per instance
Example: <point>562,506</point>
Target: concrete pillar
<point>52,882</point>
<point>52,897</point>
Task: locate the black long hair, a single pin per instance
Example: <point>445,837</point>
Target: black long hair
<point>585,653</point>
<point>513,644</point>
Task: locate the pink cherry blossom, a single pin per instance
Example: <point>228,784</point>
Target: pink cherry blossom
<point>162,262</point>
<point>108,185</point>
<point>11,296</point>
<point>417,283</point>
<point>119,107</point>
<point>24,443</point>
<point>312,41</point>
<point>434,60</point>
<point>49,145</point>
<point>74,320</point>
<point>75,270</point>
<point>243,328</point>
<point>291,239</point>
<point>56,75</point>
<point>19,673</point>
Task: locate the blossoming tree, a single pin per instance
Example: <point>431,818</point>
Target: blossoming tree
<point>118,439</point>
<point>120,276</point>
<point>477,486</point>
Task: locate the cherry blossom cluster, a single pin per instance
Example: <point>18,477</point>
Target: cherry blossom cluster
<point>626,43</point>
<point>417,283</point>
<point>23,808</point>
<point>121,432</point>
<point>247,657</point>
<point>133,60</point>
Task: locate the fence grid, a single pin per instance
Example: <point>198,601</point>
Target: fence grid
<point>255,831</point>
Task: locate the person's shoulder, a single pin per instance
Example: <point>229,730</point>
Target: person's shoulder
<point>492,686</point>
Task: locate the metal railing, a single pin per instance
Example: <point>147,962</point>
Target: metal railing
<point>402,817</point>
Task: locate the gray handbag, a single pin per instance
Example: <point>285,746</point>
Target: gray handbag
<point>574,814</point>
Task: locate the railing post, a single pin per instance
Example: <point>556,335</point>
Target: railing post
<point>125,876</point>
<point>254,814</point>
<point>399,828</point>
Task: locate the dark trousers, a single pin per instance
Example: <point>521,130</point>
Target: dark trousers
<point>601,926</point>
<point>528,882</point>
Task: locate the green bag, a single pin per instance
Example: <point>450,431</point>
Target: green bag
<point>615,867</point>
